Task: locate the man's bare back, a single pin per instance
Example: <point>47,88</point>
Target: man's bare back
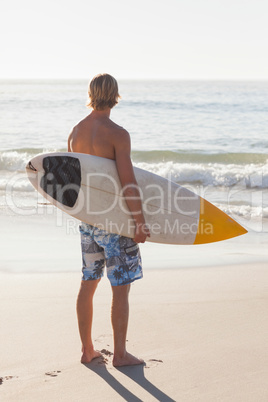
<point>98,135</point>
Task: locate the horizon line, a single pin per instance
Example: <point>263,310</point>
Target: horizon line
<point>131,79</point>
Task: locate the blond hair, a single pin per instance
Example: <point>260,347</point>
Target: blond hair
<point>103,92</point>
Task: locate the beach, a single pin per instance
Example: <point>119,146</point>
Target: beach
<point>199,315</point>
<point>202,329</point>
<point>202,332</point>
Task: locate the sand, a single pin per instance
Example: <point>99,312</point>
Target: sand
<point>202,332</point>
<point>199,320</point>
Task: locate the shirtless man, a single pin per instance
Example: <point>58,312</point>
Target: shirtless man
<point>98,135</point>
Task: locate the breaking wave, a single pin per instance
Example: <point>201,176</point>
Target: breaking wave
<point>216,170</point>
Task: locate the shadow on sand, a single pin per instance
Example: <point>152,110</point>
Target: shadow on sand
<point>135,373</point>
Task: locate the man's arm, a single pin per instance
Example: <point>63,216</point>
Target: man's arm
<point>69,143</point>
<point>70,140</point>
<point>129,184</point>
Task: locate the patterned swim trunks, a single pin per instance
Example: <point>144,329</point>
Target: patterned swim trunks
<point>120,254</point>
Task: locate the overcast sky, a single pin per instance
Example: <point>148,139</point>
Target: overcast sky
<point>184,39</point>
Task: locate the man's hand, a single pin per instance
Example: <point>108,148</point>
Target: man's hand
<point>141,233</point>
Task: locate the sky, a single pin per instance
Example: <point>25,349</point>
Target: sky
<point>141,39</point>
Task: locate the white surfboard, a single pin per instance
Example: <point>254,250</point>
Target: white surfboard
<point>88,188</point>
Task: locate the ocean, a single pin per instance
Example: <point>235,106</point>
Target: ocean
<point>210,136</point>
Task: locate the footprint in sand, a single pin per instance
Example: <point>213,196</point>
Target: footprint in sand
<point>104,359</point>
<point>53,373</point>
<point>106,352</point>
<point>153,363</point>
<point>7,377</point>
<point>103,338</point>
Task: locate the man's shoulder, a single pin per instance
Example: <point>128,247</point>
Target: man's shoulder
<point>120,135</point>
<point>115,127</point>
<point>81,125</point>
<point>78,127</point>
<point>118,132</point>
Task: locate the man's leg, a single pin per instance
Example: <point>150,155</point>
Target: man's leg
<point>120,313</point>
<point>85,315</point>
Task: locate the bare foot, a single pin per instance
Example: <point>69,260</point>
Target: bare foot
<point>126,360</point>
<point>89,355</point>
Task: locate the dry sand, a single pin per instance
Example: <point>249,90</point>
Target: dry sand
<point>202,332</point>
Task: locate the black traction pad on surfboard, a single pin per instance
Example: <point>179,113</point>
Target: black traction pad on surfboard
<point>62,178</point>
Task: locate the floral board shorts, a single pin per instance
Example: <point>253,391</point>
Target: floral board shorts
<point>120,254</point>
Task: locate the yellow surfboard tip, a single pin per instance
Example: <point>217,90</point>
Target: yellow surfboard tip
<point>215,225</point>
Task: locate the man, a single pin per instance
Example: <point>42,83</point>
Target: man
<point>98,135</point>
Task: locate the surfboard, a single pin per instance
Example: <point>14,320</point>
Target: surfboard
<point>88,188</point>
